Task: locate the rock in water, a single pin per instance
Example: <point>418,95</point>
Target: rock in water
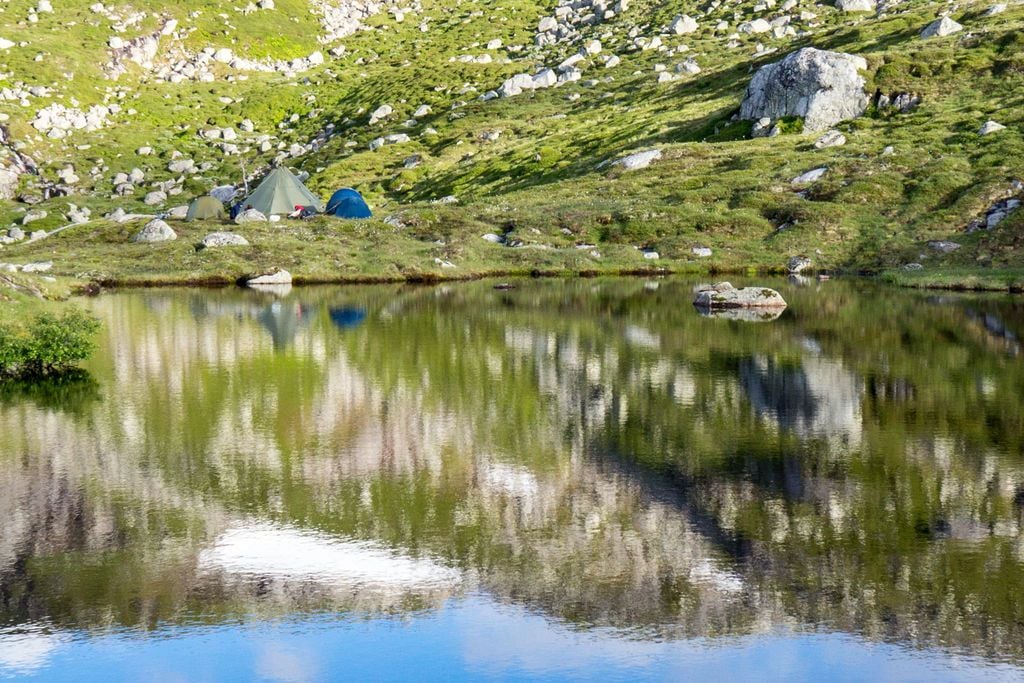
<point>223,239</point>
<point>797,264</point>
<point>822,87</point>
<point>724,295</point>
<point>274,276</point>
<point>155,231</point>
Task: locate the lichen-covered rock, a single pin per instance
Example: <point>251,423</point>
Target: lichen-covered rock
<point>822,87</point>
<point>638,160</point>
<point>797,264</point>
<point>250,216</point>
<point>724,295</point>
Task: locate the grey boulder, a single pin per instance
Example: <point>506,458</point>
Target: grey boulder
<point>223,239</point>
<point>822,87</point>
<point>155,231</point>
<point>724,295</point>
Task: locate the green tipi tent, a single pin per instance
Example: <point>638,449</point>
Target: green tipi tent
<point>279,193</point>
<point>205,208</point>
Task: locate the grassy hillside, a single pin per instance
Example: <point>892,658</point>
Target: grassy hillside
<point>533,167</point>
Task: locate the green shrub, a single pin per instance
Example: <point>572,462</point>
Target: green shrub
<point>48,345</point>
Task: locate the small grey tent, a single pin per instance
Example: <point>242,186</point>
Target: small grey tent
<point>279,193</point>
<point>205,209</point>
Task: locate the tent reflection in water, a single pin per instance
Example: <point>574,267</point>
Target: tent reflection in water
<point>206,208</point>
<point>283,319</point>
<point>347,317</point>
<point>279,193</point>
<point>347,203</point>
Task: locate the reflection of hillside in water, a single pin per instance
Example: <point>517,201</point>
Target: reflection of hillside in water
<point>603,466</point>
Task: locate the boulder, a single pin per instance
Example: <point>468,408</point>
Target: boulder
<point>990,127</point>
<point>37,267</point>
<point>822,87</point>
<point>33,215</point>
<point>638,160</point>
<point>492,238</point>
<point>155,231</point>
<point>274,276</point>
<point>683,25</point>
<point>154,198</point>
<point>701,252</point>
<point>796,264</point>
<point>943,246</point>
<point>223,239</point>
<point>832,138</point>
<point>724,295</point>
<point>856,5</point>
<point>941,28</point>
<point>250,216</point>
<point>809,177</point>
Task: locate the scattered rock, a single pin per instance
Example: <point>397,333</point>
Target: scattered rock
<point>223,239</point>
<point>155,198</point>
<point>37,267</point>
<point>638,160</point>
<point>155,231</point>
<point>492,238</point>
<point>701,252</point>
<point>941,28</point>
<point>911,266</point>
<point>832,138</point>
<point>990,127</point>
<point>810,176</point>
<point>943,246</point>
<point>856,5</point>
<point>251,216</point>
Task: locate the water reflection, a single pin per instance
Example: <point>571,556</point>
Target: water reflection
<point>593,452</point>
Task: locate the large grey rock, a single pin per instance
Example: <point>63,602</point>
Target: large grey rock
<point>822,87</point>
<point>941,28</point>
<point>37,267</point>
<point>724,295</point>
<point>154,198</point>
<point>856,5</point>
<point>223,239</point>
<point>155,231</point>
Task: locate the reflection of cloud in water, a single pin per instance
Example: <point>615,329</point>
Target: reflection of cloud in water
<point>277,662</point>
<point>266,550</point>
<point>23,650</point>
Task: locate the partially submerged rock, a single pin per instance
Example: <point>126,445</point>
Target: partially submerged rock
<point>274,276</point>
<point>822,87</point>
<point>724,295</point>
<point>797,264</point>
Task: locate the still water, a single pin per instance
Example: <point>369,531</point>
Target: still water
<point>581,479</point>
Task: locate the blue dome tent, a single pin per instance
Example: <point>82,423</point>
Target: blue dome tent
<point>347,203</point>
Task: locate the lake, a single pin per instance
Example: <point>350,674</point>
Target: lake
<point>567,479</point>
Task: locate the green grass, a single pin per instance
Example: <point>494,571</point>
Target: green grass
<point>542,181</point>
